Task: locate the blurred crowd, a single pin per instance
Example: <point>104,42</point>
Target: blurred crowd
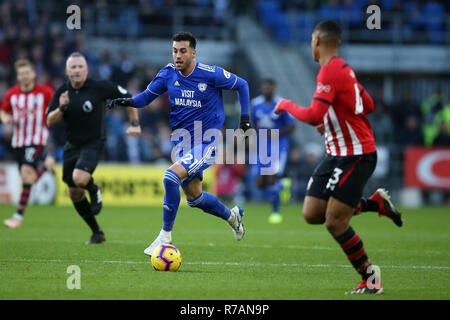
<point>47,46</point>
<point>404,21</point>
<point>114,18</point>
<point>408,123</point>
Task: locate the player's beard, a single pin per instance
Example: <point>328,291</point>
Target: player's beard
<point>184,65</point>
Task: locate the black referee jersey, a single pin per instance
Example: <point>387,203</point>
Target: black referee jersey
<point>85,115</point>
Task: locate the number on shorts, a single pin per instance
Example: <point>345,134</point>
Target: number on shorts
<point>334,179</point>
<point>187,158</point>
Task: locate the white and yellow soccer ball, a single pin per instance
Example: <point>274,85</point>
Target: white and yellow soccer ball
<point>166,257</point>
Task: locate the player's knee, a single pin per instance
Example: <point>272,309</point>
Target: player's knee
<point>79,181</point>
<point>335,226</point>
<point>81,178</point>
<point>312,217</point>
<point>27,174</point>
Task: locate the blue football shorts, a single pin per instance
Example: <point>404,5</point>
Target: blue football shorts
<point>196,160</point>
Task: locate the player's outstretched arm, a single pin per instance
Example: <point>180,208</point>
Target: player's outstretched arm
<point>241,87</point>
<point>143,99</point>
<point>312,115</point>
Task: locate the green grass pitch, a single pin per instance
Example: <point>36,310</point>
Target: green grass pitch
<point>292,260</point>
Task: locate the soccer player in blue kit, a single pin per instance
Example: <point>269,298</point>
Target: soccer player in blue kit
<point>263,117</point>
<point>195,94</point>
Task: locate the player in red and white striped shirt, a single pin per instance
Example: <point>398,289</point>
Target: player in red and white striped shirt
<point>338,110</point>
<point>24,107</point>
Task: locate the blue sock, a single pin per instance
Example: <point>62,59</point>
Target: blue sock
<point>274,196</point>
<point>172,198</point>
<point>210,204</point>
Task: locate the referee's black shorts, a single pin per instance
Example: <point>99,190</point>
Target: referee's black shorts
<point>343,178</point>
<point>84,157</point>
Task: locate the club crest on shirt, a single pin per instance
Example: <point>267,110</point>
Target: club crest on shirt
<point>321,87</point>
<point>87,106</point>
<point>226,74</point>
<point>202,86</point>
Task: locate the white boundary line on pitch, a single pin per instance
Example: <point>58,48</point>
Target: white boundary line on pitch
<point>253,264</point>
<point>245,245</point>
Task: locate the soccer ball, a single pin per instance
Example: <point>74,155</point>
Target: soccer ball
<point>166,257</point>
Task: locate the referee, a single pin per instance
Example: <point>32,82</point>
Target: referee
<point>80,102</point>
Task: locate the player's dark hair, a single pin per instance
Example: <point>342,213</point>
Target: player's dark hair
<point>329,31</point>
<point>185,36</point>
<point>270,81</point>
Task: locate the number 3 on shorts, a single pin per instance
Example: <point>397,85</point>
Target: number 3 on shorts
<point>334,179</point>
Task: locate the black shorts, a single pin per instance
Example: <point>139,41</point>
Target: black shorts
<point>84,157</point>
<point>343,178</point>
<point>33,156</point>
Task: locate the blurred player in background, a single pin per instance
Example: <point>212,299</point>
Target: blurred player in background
<point>263,117</point>
<point>229,177</point>
<point>339,110</point>
<point>80,103</point>
<point>195,93</point>
<point>24,107</point>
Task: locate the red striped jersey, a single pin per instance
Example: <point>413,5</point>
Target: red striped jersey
<point>347,130</point>
<point>28,110</point>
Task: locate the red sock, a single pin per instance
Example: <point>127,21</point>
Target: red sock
<point>354,249</point>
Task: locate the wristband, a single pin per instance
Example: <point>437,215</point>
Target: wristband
<point>135,123</point>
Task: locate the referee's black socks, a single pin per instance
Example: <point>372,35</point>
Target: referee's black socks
<point>84,210</point>
<point>91,187</point>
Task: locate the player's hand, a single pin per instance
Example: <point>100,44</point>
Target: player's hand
<point>320,128</point>
<point>244,123</point>
<point>120,102</point>
<point>134,131</point>
<point>64,99</point>
<point>7,118</point>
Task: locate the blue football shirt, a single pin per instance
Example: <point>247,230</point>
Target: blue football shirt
<point>263,116</point>
<point>196,97</point>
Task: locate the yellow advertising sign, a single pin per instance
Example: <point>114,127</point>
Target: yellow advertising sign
<point>131,185</point>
